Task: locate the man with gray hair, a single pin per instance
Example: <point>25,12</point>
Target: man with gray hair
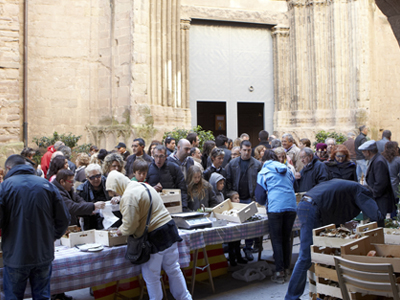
<point>67,153</point>
<point>313,173</point>
<point>276,143</point>
<point>350,145</point>
<point>288,143</point>
<point>330,143</point>
<point>386,137</point>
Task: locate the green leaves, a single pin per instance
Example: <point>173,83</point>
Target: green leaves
<point>322,135</point>
<point>69,140</point>
<point>178,134</point>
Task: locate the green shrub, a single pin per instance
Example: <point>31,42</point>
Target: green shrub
<point>322,135</point>
<point>69,140</point>
<point>178,134</point>
<point>85,148</point>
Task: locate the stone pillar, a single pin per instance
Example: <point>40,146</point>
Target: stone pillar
<point>185,26</point>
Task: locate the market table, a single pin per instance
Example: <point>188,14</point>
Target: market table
<point>73,269</point>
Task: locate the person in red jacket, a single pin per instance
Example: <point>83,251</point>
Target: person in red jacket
<point>46,158</point>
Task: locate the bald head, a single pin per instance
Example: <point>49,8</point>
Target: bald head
<point>183,151</point>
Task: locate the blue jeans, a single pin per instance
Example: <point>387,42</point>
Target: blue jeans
<point>280,231</point>
<point>361,168</point>
<point>307,213</point>
<point>15,280</point>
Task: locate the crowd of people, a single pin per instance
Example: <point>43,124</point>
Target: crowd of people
<point>269,172</point>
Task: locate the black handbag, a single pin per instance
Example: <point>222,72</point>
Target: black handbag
<point>138,250</point>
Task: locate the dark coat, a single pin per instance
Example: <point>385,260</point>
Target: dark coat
<point>85,190</point>
<point>207,173</point>
<point>171,177</point>
<point>233,175</point>
<point>32,216</point>
<point>76,205</point>
<point>188,161</point>
<point>125,155</point>
<point>360,139</point>
<point>381,144</point>
<point>345,170</point>
<point>378,179</point>
<point>227,157</point>
<point>71,166</point>
<point>131,159</point>
<point>339,201</point>
<point>311,175</point>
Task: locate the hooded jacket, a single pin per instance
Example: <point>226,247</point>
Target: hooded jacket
<point>45,162</point>
<point>276,180</point>
<point>32,215</point>
<point>134,206</point>
<point>215,177</point>
<point>76,205</point>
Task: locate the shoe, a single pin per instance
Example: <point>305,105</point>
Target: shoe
<point>248,254</point>
<point>61,296</point>
<point>232,262</point>
<point>256,249</point>
<point>240,260</point>
<point>278,277</point>
<point>288,274</point>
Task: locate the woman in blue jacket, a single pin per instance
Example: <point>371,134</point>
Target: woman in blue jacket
<point>275,190</point>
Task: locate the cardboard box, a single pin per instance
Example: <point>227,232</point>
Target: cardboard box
<point>244,211</point>
<point>172,200</point>
<point>358,250</point>
<point>102,237</point>
<point>376,234</point>
<point>77,238</point>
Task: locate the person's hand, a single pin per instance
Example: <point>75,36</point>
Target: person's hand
<point>297,175</point>
<point>99,205</point>
<point>115,200</point>
<point>158,187</point>
<point>119,232</point>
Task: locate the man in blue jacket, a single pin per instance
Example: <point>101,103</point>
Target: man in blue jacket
<point>336,201</point>
<point>32,216</point>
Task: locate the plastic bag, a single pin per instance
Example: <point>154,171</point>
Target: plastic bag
<point>255,271</point>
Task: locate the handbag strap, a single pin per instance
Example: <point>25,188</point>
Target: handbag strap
<point>149,213</point>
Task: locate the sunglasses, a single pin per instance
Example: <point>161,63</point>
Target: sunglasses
<point>340,156</point>
<point>95,177</point>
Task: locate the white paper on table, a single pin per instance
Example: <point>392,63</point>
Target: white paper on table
<point>114,207</point>
<point>109,217</point>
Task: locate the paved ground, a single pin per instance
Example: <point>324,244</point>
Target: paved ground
<point>228,288</point>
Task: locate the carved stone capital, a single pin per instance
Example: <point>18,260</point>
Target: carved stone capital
<point>283,31</point>
<point>185,24</point>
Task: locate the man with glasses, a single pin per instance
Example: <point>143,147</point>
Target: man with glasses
<point>314,171</point>
<point>181,156</point>
<point>94,190</point>
<point>138,153</point>
<point>164,174</point>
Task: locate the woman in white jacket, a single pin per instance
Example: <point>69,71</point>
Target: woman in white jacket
<point>162,234</point>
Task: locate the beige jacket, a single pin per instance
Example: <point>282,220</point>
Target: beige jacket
<point>294,154</point>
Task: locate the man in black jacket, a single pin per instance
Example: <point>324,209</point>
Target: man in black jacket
<point>263,138</point>
<point>313,172</point>
<point>32,216</point>
<point>221,141</point>
<point>378,178</point>
<point>138,153</point>
<point>335,201</point>
<point>164,174</point>
<point>76,205</point>
<point>242,178</point>
<point>360,158</point>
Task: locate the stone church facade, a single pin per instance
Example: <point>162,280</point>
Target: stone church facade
<point>111,70</point>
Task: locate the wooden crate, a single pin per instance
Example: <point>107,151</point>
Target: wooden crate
<point>102,237</point>
<point>77,238</point>
<point>172,200</point>
<point>376,234</point>
<point>358,250</point>
<point>245,211</point>
<point>392,236</point>
<point>320,279</point>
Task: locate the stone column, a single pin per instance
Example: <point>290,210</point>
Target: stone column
<point>185,26</point>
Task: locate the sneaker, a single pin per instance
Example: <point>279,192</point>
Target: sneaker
<point>248,254</point>
<point>278,277</point>
<point>287,274</point>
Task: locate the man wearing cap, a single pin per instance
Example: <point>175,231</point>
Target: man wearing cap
<point>378,178</point>
<point>122,150</point>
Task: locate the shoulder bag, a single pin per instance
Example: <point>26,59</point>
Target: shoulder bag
<point>138,250</point>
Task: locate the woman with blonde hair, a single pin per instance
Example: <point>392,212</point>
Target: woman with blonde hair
<point>113,161</point>
<point>259,152</point>
<point>82,161</point>
<point>199,191</point>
